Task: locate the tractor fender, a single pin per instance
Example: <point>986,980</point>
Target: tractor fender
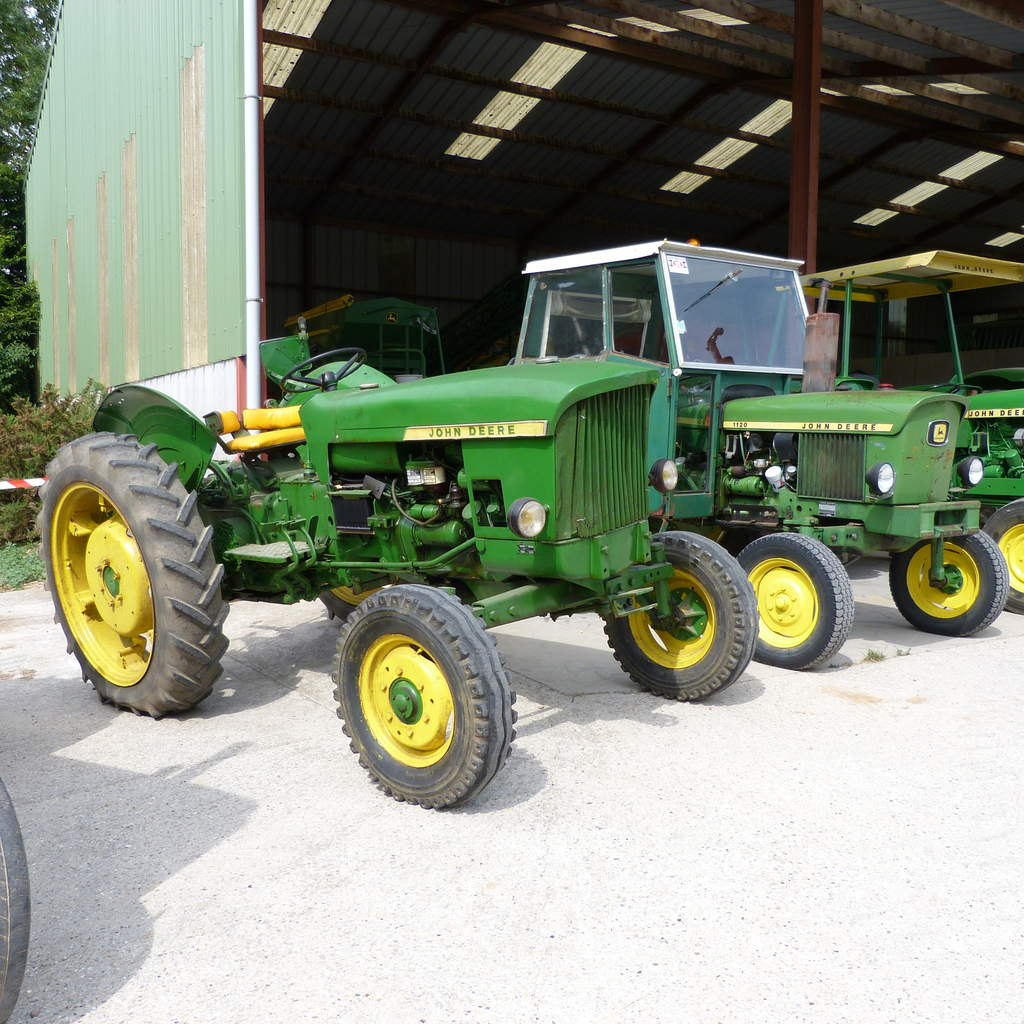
<point>155,418</point>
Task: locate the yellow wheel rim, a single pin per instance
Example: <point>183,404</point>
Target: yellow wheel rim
<point>931,599</point>
<point>787,602</point>
<point>349,596</point>
<point>1012,546</point>
<point>674,649</point>
<point>406,701</point>
<point>102,584</point>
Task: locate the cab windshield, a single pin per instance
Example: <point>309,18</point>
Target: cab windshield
<point>736,314</point>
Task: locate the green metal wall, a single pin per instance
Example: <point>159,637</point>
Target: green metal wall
<point>135,191</point>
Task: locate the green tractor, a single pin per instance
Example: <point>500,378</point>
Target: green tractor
<point>434,508</point>
<point>795,478</point>
<point>990,442</point>
<point>14,907</point>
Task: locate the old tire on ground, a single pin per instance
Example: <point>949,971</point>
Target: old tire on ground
<point>14,907</point>
<point>423,696</point>
<point>1006,527</point>
<point>805,601</point>
<point>711,640</point>
<point>341,602</point>
<point>979,598</point>
<point>130,566</point>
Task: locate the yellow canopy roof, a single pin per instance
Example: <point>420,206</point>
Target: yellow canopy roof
<point>961,271</point>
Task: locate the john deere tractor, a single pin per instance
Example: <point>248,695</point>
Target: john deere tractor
<point>433,509</point>
<point>990,441</point>
<point>796,482</point>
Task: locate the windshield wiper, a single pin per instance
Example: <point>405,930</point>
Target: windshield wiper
<point>731,276</point>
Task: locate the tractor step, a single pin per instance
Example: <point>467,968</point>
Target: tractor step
<point>278,553</point>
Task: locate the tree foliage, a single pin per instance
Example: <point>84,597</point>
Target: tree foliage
<point>25,29</point>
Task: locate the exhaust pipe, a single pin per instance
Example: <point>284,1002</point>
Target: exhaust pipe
<point>821,346</point>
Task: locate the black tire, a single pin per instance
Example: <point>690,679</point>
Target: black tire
<point>798,570</point>
<point>993,586</point>
<point>480,717</point>
<point>339,607</point>
<point>1006,527</point>
<point>701,666</point>
<point>14,907</point>
<point>184,579</point>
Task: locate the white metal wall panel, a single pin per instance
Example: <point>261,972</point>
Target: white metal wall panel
<point>202,389</point>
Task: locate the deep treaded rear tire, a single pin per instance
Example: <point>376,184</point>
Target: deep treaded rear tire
<point>483,719</point>
<point>833,592</point>
<point>1006,527</point>
<point>993,591</point>
<point>14,907</point>
<point>726,586</point>
<point>176,548</point>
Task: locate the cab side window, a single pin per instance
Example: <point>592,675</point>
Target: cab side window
<point>566,315</point>
<point>638,328</point>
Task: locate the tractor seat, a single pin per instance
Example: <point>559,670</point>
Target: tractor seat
<point>281,426</point>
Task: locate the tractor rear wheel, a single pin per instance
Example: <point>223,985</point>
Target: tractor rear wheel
<point>14,907</point>
<point>423,696</point>
<point>130,565</point>
<point>1006,527</point>
<point>978,583</point>
<point>804,599</point>
<point>707,642</point>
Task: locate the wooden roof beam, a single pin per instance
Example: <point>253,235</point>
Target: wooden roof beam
<point>630,44</point>
<point>1009,12</point>
<point>778,66</point>
<point>886,60</point>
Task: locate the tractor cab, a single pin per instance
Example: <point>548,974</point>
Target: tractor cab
<point>716,324</point>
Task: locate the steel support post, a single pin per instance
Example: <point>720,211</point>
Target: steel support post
<point>805,134</point>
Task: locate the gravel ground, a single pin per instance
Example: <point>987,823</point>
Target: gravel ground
<point>842,845</point>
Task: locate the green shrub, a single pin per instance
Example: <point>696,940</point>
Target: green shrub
<point>19,564</point>
<point>31,434</point>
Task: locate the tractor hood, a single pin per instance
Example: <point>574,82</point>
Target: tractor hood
<point>854,412</point>
<point>525,400</point>
<point>997,405</point>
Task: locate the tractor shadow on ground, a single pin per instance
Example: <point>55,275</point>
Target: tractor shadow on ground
<point>98,839</point>
<point>582,684</point>
<point>274,650</point>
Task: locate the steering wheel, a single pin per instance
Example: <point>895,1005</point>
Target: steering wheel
<point>326,381</point>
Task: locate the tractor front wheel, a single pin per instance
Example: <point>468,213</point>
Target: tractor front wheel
<point>130,566</point>
<point>706,641</point>
<point>14,907</point>
<point>1006,527</point>
<point>423,696</point>
<point>804,599</point>
<point>975,591</point>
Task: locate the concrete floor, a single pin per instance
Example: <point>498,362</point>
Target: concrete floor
<point>836,846</point>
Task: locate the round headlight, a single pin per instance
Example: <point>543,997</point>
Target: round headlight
<point>971,471</point>
<point>664,475</point>
<point>527,517</point>
<point>881,478</point>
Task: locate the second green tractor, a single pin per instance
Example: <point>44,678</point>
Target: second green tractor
<point>796,481</point>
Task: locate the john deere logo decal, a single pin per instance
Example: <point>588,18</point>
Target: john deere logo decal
<point>391,318</point>
<point>938,432</point>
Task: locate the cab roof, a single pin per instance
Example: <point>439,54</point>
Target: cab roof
<point>908,277</point>
<point>628,253</point>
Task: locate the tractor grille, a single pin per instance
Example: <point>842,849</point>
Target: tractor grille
<point>831,466</point>
<point>608,485</point>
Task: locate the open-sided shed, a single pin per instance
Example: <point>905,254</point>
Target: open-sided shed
<point>425,148</point>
